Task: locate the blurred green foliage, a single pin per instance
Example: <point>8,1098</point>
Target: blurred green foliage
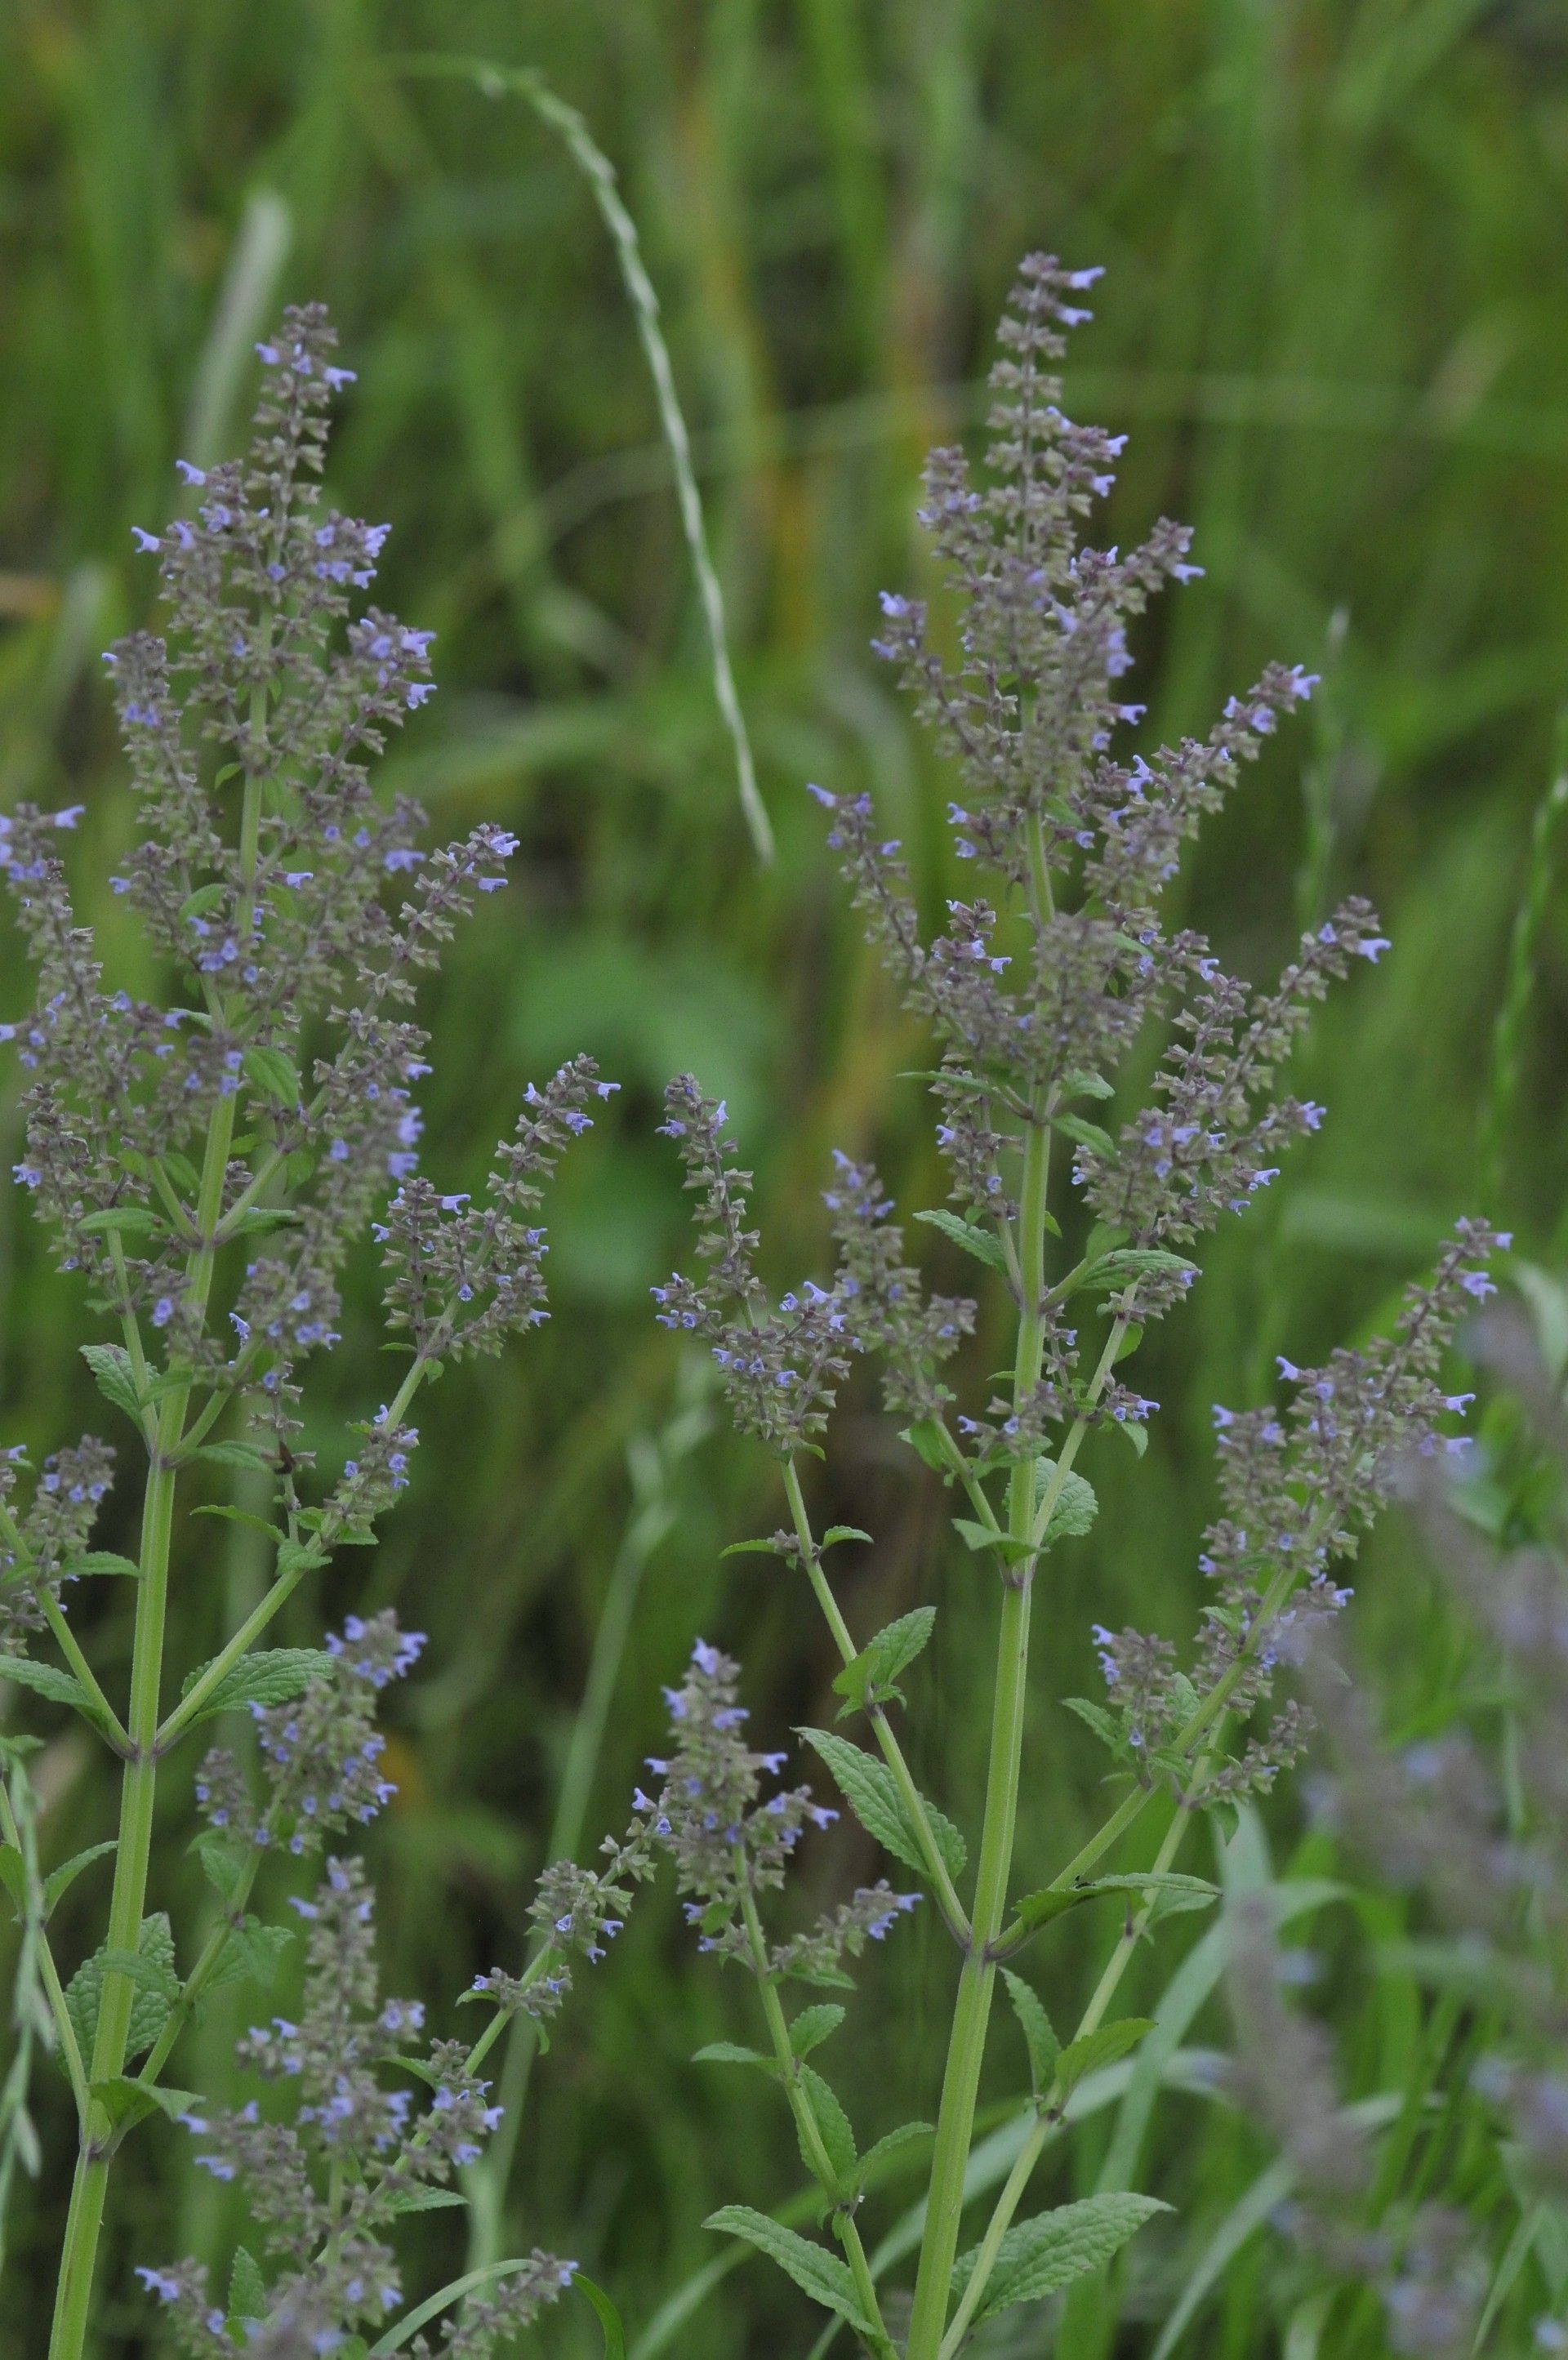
<point>1335,321</point>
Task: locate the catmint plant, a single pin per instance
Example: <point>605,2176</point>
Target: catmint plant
<point>1041,993</point>
<point>1433,2225</point>
<point>206,1162</point>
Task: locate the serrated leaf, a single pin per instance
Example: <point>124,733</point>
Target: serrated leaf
<point>984,1247</point>
<point>731,2053</point>
<point>1094,2050</point>
<point>1083,1085</point>
<point>151,1967</point>
<point>273,1675</point>
<point>224,1862</point>
<point>1104,1724</point>
<point>113,1376</point>
<point>94,1561</point>
<point>46,1680</point>
<point>812,2026</point>
<point>252,1954</point>
<point>1084,1133</point>
<point>274,1073</point>
<point>1039,2037</point>
<point>891,2143</point>
<point>247,2288</point>
<point>420,2200</point>
<point>1038,1909</point>
<point>1076,1504</point>
<point>832,2124</point>
<point>869,1787</point>
<point>869,1678</point>
<point>815,2270</point>
<point>61,1880</point>
<point>236,1454</point>
<point>1039,2256</point>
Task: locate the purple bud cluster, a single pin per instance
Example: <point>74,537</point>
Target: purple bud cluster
<point>731,1840</point>
<point>320,1753</point>
<point>1297,1487</point>
<point>53,1531</point>
<point>325,2181</point>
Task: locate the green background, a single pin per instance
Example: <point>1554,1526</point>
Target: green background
<point>1334,322</point>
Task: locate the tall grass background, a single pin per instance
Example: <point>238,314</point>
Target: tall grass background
<point>1335,321</point>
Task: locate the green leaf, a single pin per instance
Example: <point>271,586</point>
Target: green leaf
<point>1125,1262</point>
<point>61,1880</point>
<point>832,2124</point>
<point>1088,1085</point>
<point>113,1376</point>
<point>128,2102</point>
<point>927,1439</point>
<point>1076,1504</point>
<point>255,1218</point>
<point>420,2200</point>
<point>843,1533</point>
<point>749,1548</point>
<point>1038,2036</point>
<point>129,1220</point>
<point>1008,1546</point>
<point>605,2311</point>
<point>1039,1908</point>
<point>247,2288</point>
<point>812,2026</point>
<point>180,1168</point>
<point>818,2273</point>
<point>232,1515</point>
<point>1138,1436</point>
<point>224,1862</point>
<point>1096,2048</point>
<point>272,1676</point>
<point>1041,2255</point>
<point>891,2143</point>
<point>1132,1336</point>
<point>237,1454</point>
<point>1085,1134</point>
<point>872,1792</point>
<point>48,1680</point>
<point>204,898</point>
<point>275,1074</point>
<point>1104,1724</point>
<point>151,1967</point>
<point>870,1678</point>
<point>731,2053</point>
<point>102,1561</point>
<point>251,1954</point>
<point>979,1242</point>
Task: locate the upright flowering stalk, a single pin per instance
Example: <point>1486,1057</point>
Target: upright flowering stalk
<point>206,1162</point>
<point>1038,990</point>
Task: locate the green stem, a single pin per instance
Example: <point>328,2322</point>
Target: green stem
<point>50,1973</point>
<point>1047,2124</point>
<point>816,2153</point>
<point>972,2012</point>
<point>948,1901</point>
<point>71,1649</point>
<point>139,1787</point>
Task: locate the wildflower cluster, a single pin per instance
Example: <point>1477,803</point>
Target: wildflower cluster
<point>320,1753</point>
<point>1297,1487</point>
<point>1056,981</point>
<point>731,1841</point>
<point>326,2181</point>
<point>1474,1840</point>
<point>782,1367</point>
<point>207,1150</point>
